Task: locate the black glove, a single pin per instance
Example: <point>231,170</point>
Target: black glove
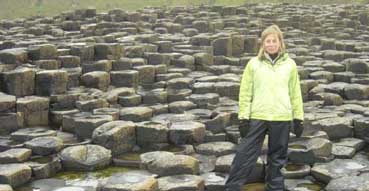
<point>243,127</point>
<point>298,127</point>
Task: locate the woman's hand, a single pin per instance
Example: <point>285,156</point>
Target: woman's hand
<point>298,127</point>
<point>243,127</point>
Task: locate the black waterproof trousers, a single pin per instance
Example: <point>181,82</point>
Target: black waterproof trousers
<point>249,150</point>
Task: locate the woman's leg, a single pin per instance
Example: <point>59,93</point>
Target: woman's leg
<point>247,154</point>
<point>278,132</point>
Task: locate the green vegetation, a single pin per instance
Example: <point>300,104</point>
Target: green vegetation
<point>10,9</point>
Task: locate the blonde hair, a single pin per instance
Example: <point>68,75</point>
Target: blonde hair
<point>273,29</point>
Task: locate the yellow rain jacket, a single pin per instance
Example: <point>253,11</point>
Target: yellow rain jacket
<point>271,92</point>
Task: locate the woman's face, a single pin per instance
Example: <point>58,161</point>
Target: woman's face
<point>271,44</point>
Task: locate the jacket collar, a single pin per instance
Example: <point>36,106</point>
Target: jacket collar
<point>281,57</point>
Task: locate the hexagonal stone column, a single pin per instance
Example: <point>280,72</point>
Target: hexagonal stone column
<point>34,109</point>
<point>118,136</point>
<point>50,82</point>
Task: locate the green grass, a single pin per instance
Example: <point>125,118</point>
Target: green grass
<point>10,9</point>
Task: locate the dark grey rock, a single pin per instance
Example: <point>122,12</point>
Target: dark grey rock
<point>45,145</point>
<point>186,132</point>
<point>50,82</point>
<point>27,134</point>
<point>216,148</point>
<point>85,125</point>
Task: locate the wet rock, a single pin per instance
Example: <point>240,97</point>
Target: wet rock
<point>45,145</point>
<point>27,134</point>
<point>114,112</point>
<point>97,79</point>
<point>222,46</point>
<point>301,185</point>
<point>167,164</point>
<point>310,151</point>
<point>15,155</point>
<point>336,128</point>
<point>100,65</point>
<point>85,157</point>
<point>85,125</point>
<point>154,96</point>
<point>5,187</point>
<point>149,132</point>
<point>329,98</point>
<point>219,122</point>
<point>108,51</point>
<point>203,60</point>
<point>186,61</point>
<point>223,164</point>
<point>356,91</point>
<point>342,152</point>
<point>295,171</point>
<point>7,102</point>
<point>178,94</point>
<point>214,181</point>
<point>69,61</point>
<point>323,76</point>
<point>228,89</point>
<point>16,56</point>
<point>124,78</point>
<point>13,82</point>
<point>68,121</point>
<point>179,83</point>
<point>180,106</point>
<point>337,168</point>
<point>34,109</point>
<point>90,105</point>
<point>181,182</point>
<point>203,100</point>
<point>186,132</point>
<point>42,52</point>
<point>136,114</point>
<point>47,184</point>
<point>14,174</point>
<point>10,122</point>
<point>361,128</point>
<point>134,181</point>
<point>357,66</point>
<point>51,82</point>
<point>47,64</point>
<point>146,74</point>
<point>118,136</point>
<point>44,167</point>
<point>207,162</point>
<point>216,148</point>
<point>348,183</point>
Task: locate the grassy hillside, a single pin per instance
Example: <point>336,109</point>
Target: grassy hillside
<point>10,9</point>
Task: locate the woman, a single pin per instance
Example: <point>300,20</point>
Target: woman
<point>269,100</point>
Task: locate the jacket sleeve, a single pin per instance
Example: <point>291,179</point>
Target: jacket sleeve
<point>295,94</point>
<point>246,93</point>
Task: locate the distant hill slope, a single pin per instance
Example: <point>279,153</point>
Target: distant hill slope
<point>10,9</point>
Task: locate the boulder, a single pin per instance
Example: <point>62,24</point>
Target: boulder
<point>85,157</point>
<point>166,164</point>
